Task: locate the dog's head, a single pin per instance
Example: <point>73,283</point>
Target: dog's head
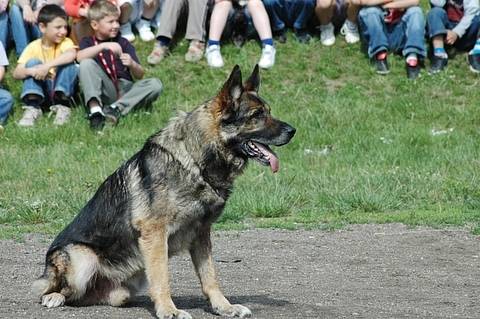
<point>244,122</point>
<point>239,26</point>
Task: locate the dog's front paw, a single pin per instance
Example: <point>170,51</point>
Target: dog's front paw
<point>234,311</point>
<point>53,300</point>
<point>177,314</point>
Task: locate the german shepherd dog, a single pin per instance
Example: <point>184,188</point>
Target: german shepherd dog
<point>163,201</point>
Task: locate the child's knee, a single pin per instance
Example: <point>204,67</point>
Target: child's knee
<point>33,62</point>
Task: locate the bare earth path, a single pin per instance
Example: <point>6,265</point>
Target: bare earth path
<point>367,271</point>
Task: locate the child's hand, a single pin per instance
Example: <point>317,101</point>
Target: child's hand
<point>114,47</point>
<point>126,59</point>
<point>29,15</point>
<point>148,3</point>
<point>451,37</point>
<point>39,72</point>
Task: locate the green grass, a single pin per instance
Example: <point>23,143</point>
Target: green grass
<point>364,151</point>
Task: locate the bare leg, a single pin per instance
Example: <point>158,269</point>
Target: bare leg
<point>219,19</point>
<point>324,11</point>
<point>260,19</point>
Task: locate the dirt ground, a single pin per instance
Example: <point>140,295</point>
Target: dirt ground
<point>367,271</point>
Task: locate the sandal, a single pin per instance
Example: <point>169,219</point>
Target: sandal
<point>158,53</point>
<point>195,51</point>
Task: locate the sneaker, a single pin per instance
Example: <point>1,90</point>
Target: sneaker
<point>381,63</point>
<point>158,53</point>
<point>302,35</point>
<point>214,57</point>
<point>413,71</point>
<point>97,121</point>
<point>350,32</point>
<point>30,115</point>
<point>327,35</point>
<point>144,30</point>
<point>126,32</point>
<point>62,114</point>
<point>280,36</point>
<point>437,64</point>
<point>112,114</point>
<point>267,60</point>
<point>195,51</point>
<point>474,62</point>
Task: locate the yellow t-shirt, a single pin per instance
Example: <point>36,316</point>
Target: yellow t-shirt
<point>35,50</point>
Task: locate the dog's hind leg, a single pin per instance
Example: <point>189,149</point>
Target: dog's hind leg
<point>201,253</point>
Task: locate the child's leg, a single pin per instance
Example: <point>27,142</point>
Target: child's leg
<point>414,43</point>
<point>4,29</point>
<point>6,104</point>
<point>301,13</point>
<point>352,12</point>
<point>66,80</point>
<point>277,11</point>
<point>218,20</point>
<point>260,19</point>
<point>33,92</point>
<point>373,29</point>
<point>197,10</point>
<point>98,88</point>
<point>19,31</point>
<point>437,22</point>
<point>324,11</point>
<point>141,93</point>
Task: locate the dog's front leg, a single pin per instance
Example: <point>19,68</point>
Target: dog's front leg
<point>153,243</point>
<point>201,252</point>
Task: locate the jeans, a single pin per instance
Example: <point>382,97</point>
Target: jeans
<point>6,104</point>
<point>438,24</point>
<point>22,32</point>
<point>4,29</point>
<point>284,13</point>
<point>405,36</point>
<point>65,82</point>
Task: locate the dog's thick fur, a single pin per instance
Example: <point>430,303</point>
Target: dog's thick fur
<point>161,202</point>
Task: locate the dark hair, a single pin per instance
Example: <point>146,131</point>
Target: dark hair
<point>49,12</point>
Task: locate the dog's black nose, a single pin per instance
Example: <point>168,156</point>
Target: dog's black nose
<point>291,131</point>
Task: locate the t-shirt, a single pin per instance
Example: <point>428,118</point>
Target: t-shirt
<point>35,50</point>
<point>122,71</point>
<point>3,56</point>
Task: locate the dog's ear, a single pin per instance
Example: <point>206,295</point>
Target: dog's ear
<point>253,82</point>
<point>233,88</point>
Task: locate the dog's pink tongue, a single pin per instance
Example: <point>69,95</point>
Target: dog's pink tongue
<point>272,158</point>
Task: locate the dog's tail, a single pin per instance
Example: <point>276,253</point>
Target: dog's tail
<point>50,281</point>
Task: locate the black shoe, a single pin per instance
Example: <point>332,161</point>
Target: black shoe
<point>302,35</point>
<point>381,66</point>
<point>280,36</point>
<point>97,121</point>
<point>112,114</point>
<point>474,62</point>
<point>412,71</point>
<point>437,64</point>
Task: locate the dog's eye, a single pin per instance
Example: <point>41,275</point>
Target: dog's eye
<point>258,113</point>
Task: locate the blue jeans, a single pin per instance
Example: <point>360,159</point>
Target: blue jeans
<point>405,36</point>
<point>438,24</point>
<point>6,104</point>
<point>4,29</point>
<point>65,82</point>
<point>292,13</point>
<point>22,32</point>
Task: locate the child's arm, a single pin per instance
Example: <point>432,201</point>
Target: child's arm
<point>135,68</point>
<point>40,71</point>
<point>93,51</point>
<point>2,72</point>
<point>28,14</point>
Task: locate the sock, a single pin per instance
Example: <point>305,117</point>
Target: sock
<point>476,48</point>
<point>440,52</point>
<point>145,19</point>
<point>96,109</point>
<point>350,25</point>
<point>268,41</point>
<point>381,55</point>
<point>412,59</point>
<point>163,41</point>
<point>60,98</point>
<point>213,42</point>
<point>33,100</point>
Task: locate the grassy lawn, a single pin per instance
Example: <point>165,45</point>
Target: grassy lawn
<point>368,148</point>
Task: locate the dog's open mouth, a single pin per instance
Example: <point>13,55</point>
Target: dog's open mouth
<point>263,154</point>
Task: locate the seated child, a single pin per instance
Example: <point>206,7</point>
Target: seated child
<point>396,25</point>
<point>260,21</point>
<point>290,13</point>
<point>453,24</point>
<point>108,67</point>
<point>333,13</point>
<point>47,69</point>
<point>6,100</point>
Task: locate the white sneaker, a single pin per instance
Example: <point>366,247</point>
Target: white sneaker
<point>214,57</point>
<point>30,115</point>
<point>63,114</point>
<point>144,30</point>
<point>350,32</point>
<point>267,60</point>
<point>327,35</point>
<point>126,32</point>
